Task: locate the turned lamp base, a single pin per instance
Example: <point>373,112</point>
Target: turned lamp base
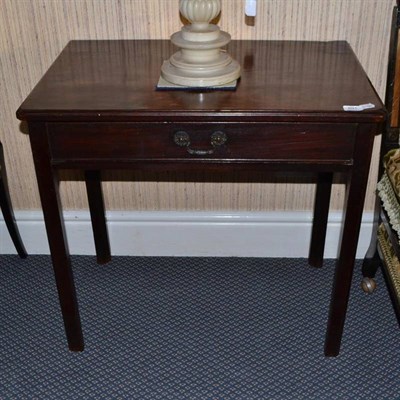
<point>166,85</point>
<point>202,77</point>
<point>200,62</point>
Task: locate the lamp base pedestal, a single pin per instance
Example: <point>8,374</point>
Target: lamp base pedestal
<point>166,85</point>
<point>200,75</point>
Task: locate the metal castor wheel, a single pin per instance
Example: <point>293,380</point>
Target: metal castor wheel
<point>368,285</point>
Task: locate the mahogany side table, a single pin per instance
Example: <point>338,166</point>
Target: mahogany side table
<point>97,108</point>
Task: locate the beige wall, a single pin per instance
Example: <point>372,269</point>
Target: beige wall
<point>33,32</point>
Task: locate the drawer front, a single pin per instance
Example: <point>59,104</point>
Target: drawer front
<point>130,141</point>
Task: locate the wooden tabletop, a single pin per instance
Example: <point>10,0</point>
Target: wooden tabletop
<point>93,80</point>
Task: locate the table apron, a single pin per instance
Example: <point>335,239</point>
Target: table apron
<point>78,143</point>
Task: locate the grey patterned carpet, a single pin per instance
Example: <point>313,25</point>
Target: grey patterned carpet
<point>192,328</point>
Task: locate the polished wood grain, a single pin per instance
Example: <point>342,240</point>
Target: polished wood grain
<point>295,81</point>
<point>355,193</point>
<point>98,108</point>
<point>394,117</point>
<point>100,141</point>
<point>48,183</point>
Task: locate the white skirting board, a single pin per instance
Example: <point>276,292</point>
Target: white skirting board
<point>171,233</point>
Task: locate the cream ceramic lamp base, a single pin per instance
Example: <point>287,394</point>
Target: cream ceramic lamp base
<point>201,62</point>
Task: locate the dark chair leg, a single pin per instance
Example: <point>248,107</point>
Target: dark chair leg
<point>372,260</point>
<point>97,214</point>
<point>320,220</point>
<point>6,208</point>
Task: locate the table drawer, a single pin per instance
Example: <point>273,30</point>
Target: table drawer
<point>129,141</point>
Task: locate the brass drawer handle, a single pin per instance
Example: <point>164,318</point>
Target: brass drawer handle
<point>182,139</point>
